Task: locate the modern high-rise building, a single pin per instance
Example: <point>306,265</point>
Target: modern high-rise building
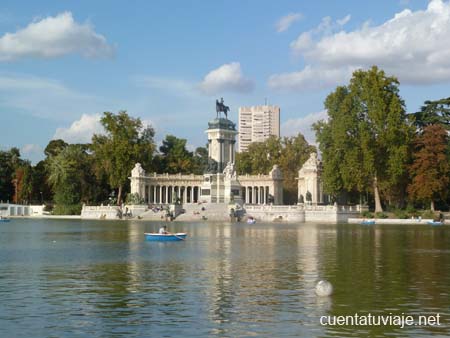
<point>257,124</point>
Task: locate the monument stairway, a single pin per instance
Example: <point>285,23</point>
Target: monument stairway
<point>205,211</point>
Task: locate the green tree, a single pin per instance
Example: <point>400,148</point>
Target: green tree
<point>365,142</point>
<point>126,142</point>
<point>430,169</point>
<point>9,162</point>
<point>174,157</point>
<point>433,112</point>
<point>54,147</point>
<point>64,171</point>
<point>290,153</point>
<point>24,179</point>
<point>41,191</point>
<point>200,160</point>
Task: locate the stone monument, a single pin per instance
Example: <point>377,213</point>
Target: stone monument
<point>220,183</point>
<point>309,181</point>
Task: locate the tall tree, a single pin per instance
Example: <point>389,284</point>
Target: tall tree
<point>65,170</point>
<point>365,142</point>
<point>200,160</point>
<point>9,162</point>
<point>290,153</point>
<point>175,158</point>
<point>41,189</point>
<point>24,180</point>
<point>54,147</point>
<point>430,169</point>
<point>125,142</point>
<point>433,112</point>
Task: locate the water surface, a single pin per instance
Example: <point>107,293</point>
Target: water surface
<point>71,278</point>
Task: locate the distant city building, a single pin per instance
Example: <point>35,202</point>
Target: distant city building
<point>257,124</point>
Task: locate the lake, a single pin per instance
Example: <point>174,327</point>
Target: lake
<point>73,278</point>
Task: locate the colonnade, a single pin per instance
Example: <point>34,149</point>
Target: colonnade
<point>165,193</point>
<point>255,194</point>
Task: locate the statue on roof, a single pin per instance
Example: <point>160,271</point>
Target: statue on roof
<point>221,107</point>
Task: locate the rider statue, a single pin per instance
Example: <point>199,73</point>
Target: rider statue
<point>221,107</point>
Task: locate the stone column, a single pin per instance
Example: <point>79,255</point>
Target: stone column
<point>232,154</point>
<point>154,194</point>
<point>192,194</point>
<point>221,164</point>
<point>167,194</point>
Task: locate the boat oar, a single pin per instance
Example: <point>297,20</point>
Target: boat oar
<point>169,233</point>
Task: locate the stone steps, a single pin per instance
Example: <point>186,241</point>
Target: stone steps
<point>205,211</point>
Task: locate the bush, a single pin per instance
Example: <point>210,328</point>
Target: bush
<point>135,199</point>
<point>428,214</point>
<point>381,215</point>
<point>402,214</point>
<point>367,214</point>
<point>73,209</point>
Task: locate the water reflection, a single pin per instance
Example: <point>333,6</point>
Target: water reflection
<point>69,278</point>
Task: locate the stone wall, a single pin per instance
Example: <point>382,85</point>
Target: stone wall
<point>331,213</point>
<point>100,212</point>
<point>276,213</point>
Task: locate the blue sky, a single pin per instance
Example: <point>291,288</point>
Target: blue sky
<point>63,63</point>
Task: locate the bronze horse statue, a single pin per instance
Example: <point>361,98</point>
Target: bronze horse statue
<point>221,107</point>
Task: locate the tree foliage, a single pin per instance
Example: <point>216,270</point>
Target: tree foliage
<point>65,169</point>
<point>174,157</point>
<point>433,112</point>
<point>10,161</point>
<point>430,169</point>
<point>365,142</point>
<point>125,142</point>
<point>290,153</point>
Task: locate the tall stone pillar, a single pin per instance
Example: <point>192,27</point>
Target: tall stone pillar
<point>220,184</point>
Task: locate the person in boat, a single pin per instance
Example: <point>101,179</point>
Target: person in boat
<point>163,230</point>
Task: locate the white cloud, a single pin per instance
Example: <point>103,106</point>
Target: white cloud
<point>412,45</point>
<point>31,150</point>
<point>227,77</point>
<point>286,21</point>
<point>344,20</point>
<point>174,86</point>
<point>45,98</point>
<point>80,131</point>
<point>53,37</point>
<point>310,78</point>
<point>303,125</point>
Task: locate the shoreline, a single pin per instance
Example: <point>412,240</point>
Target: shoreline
<point>378,221</point>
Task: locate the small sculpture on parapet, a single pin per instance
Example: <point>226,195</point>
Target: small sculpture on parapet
<point>221,107</point>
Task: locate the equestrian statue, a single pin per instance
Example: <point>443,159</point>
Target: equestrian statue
<point>221,107</point>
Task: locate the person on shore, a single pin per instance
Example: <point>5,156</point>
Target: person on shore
<point>163,230</point>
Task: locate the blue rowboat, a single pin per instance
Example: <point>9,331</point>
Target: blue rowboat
<point>155,237</point>
<point>435,223</point>
<point>4,220</point>
<point>368,222</point>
